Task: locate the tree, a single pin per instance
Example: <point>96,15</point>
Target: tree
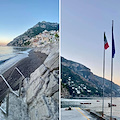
<point>27,43</point>
<point>56,35</point>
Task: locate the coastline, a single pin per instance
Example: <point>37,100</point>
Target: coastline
<point>15,58</point>
<point>29,64</point>
<point>26,66</point>
<point>40,89</point>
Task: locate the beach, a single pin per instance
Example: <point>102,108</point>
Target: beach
<point>26,66</point>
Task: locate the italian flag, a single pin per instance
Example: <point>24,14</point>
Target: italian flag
<point>105,42</point>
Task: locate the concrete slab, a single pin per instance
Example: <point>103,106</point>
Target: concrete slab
<point>75,114</point>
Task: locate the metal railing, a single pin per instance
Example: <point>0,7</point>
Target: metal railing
<point>10,89</point>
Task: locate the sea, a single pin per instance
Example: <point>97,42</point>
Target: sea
<point>9,56</point>
<point>96,104</point>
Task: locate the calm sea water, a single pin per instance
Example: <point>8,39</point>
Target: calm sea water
<point>95,105</point>
<point>10,56</point>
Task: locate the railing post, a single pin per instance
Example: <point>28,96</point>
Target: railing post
<point>20,87</point>
<point>8,85</point>
<point>20,80</point>
<point>19,72</point>
<point>7,104</point>
<point>6,82</point>
<point>11,90</point>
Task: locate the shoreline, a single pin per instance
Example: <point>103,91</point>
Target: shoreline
<point>11,61</point>
<point>26,66</point>
<point>33,58</point>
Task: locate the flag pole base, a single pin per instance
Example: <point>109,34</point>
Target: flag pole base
<point>102,114</point>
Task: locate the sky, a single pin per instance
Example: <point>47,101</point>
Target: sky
<point>17,16</point>
<point>83,23</point>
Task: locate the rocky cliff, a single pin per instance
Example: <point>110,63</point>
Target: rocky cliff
<point>40,92</point>
<point>43,87</point>
<point>35,30</point>
<point>80,81</point>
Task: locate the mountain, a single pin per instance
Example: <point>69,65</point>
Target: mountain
<point>35,30</point>
<point>80,81</point>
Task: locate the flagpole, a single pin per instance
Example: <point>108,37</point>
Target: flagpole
<point>111,86</point>
<point>103,81</point>
<point>112,70</point>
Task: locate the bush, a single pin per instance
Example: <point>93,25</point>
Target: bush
<point>27,43</point>
<point>56,35</point>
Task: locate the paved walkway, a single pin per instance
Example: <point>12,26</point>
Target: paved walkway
<point>75,114</point>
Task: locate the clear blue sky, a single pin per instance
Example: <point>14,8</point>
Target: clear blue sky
<point>83,25</point>
<point>17,16</point>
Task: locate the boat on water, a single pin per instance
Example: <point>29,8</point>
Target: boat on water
<point>109,105</point>
<point>85,103</point>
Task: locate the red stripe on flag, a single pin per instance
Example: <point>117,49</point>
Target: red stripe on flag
<point>106,45</point>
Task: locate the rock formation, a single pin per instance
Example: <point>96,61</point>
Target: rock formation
<point>43,91</point>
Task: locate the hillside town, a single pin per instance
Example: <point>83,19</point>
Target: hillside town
<point>43,38</point>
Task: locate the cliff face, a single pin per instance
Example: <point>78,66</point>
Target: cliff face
<point>35,30</point>
<point>43,87</point>
<point>80,81</point>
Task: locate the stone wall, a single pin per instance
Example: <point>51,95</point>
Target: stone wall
<point>18,109</point>
<point>43,87</point>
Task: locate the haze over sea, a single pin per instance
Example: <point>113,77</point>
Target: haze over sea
<point>9,56</point>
